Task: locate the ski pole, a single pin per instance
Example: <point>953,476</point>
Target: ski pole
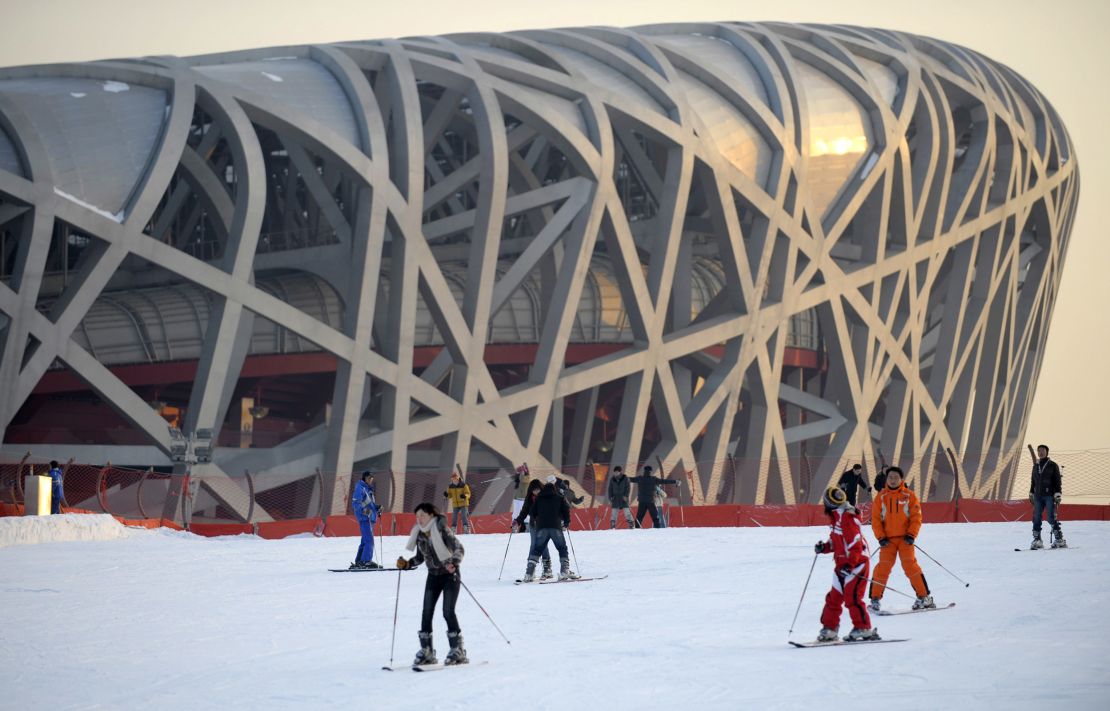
<point>483,612</point>
<point>966,584</point>
<point>803,597</point>
<point>870,581</point>
<point>396,601</point>
<point>506,556</point>
<point>571,541</point>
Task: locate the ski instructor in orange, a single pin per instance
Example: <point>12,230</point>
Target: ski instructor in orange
<point>896,521</point>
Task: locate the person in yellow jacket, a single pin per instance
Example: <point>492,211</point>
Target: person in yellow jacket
<point>458,493</point>
<point>896,521</point>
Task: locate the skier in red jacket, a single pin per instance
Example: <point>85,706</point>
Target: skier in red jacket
<point>853,567</point>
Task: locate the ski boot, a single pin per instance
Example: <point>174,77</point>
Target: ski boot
<point>874,605</point>
<point>457,655</point>
<point>529,573</point>
<point>426,655</point>
<point>565,573</point>
<point>1037,542</point>
<point>547,574</point>
<point>1058,539</point>
<point>827,634</point>
<point>862,635</point>
<point>925,602</point>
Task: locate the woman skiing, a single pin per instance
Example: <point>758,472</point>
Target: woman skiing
<point>526,512</point>
<point>435,544</point>
<point>849,550</point>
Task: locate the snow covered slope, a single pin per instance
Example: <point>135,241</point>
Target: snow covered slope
<point>688,618</point>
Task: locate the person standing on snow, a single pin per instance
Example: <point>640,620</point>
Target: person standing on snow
<point>521,478</point>
<point>896,521</point>
<point>645,496</point>
<point>526,512</point>
<point>565,490</point>
<point>550,514</point>
<point>436,545</point>
<point>1045,490</point>
<point>458,493</point>
<point>660,499</point>
<point>366,512</point>
<point>851,480</point>
<point>620,488</point>
<point>849,550</point>
<point>56,493</point>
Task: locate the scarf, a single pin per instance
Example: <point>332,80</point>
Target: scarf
<point>443,553</point>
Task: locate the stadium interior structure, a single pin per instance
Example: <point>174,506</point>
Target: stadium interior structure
<point>785,247</point>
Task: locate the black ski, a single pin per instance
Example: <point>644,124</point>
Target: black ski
<point>362,570</point>
<point>433,667</point>
<point>572,580</point>
<point>840,642</point>
<point>1046,548</point>
<point>888,613</point>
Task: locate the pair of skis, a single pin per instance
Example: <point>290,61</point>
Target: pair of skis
<point>432,667</point>
<point>883,613</point>
<point>363,570</point>
<point>553,581</point>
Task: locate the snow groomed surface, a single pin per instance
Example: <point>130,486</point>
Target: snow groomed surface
<point>688,618</point>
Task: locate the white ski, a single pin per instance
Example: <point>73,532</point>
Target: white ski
<point>433,667</point>
<point>839,642</point>
<point>887,613</point>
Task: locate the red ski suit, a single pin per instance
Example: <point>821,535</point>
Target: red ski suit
<point>853,567</point>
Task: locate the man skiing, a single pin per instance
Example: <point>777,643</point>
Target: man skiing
<point>458,493</point>
<point>645,496</point>
<point>896,521</point>
<point>619,490</point>
<point>1045,490</point>
<point>366,513</point>
<point>851,480</point>
<point>551,516</point>
<point>526,512</point>
<point>56,494</point>
<point>436,545</point>
<point>849,550</point>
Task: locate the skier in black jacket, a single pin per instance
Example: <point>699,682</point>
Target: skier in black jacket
<point>528,514</point>
<point>1044,492</point>
<point>619,490</point>
<point>645,496</point>
<point>550,514</point>
<point>851,480</point>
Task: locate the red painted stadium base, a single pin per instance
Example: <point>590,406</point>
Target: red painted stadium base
<point>966,511</point>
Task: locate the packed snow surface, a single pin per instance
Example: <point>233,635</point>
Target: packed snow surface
<point>688,618</point>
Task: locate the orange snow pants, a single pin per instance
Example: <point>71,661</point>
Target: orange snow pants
<point>898,548</point>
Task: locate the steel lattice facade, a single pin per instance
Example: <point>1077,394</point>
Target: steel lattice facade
<point>725,196</point>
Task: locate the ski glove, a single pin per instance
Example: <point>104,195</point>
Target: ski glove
<point>1056,497</point>
<point>819,547</point>
<point>909,540</point>
<point>403,564</point>
<point>883,542</point>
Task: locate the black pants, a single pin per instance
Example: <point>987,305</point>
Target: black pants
<point>647,507</point>
<point>448,584</point>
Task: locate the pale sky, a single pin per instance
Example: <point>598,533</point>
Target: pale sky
<point>1061,47</point>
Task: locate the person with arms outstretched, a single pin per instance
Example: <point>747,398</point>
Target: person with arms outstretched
<point>645,496</point>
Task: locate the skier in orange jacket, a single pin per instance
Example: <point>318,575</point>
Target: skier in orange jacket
<point>896,521</point>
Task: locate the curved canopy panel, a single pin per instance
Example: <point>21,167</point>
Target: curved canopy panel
<point>302,85</point>
<point>9,156</point>
<point>98,135</point>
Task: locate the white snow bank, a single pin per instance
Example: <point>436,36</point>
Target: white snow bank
<point>688,618</point>
<point>115,87</point>
<point>272,77</point>
<point>115,217</point>
<point>26,530</point>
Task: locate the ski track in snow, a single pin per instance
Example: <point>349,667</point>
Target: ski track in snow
<point>692,618</point>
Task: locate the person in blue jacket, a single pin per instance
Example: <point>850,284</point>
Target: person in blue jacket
<point>55,474</point>
<point>366,512</point>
